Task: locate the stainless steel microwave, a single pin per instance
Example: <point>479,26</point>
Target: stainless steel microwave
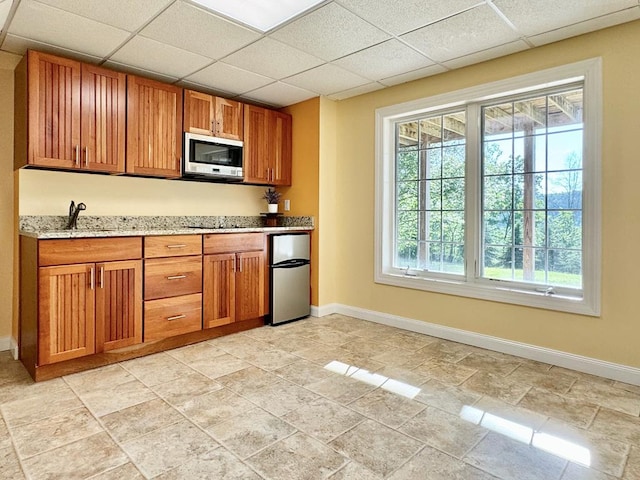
<point>215,157</point>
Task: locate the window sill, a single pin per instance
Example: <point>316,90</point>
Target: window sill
<point>528,298</point>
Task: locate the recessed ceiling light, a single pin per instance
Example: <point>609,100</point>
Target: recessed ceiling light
<point>261,14</point>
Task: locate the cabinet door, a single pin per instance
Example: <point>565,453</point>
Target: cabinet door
<point>219,290</point>
<point>250,285</point>
<point>199,111</point>
<point>280,148</point>
<point>103,119</point>
<point>154,128</point>
<point>118,304</point>
<point>256,145</point>
<point>54,111</point>
<point>228,119</point>
<point>66,312</point>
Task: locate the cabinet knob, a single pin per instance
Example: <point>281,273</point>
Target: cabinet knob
<point>176,317</point>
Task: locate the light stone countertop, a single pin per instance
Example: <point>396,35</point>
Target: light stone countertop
<point>102,233</point>
<point>48,226</point>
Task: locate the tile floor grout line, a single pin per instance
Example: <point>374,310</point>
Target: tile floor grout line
<point>13,446</point>
<point>104,428</point>
<point>420,450</point>
<point>27,457</point>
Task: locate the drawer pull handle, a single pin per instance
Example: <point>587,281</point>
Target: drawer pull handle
<point>176,277</point>
<point>178,245</point>
<point>176,317</point>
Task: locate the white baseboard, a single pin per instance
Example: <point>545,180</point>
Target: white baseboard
<point>324,310</point>
<point>5,343</point>
<point>13,346</point>
<point>580,363</point>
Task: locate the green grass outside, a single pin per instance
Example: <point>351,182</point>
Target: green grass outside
<point>555,278</point>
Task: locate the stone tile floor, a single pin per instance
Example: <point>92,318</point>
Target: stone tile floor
<point>331,397</point>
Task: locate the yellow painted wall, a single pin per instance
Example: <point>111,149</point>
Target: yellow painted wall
<point>313,190</point>
<point>49,193</point>
<point>329,158</point>
<point>7,240</point>
<point>612,337</point>
<point>304,192</point>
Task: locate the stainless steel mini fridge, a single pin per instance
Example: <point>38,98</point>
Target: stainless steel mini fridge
<point>290,277</point>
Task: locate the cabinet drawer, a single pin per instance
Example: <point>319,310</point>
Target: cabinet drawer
<point>88,250</point>
<point>170,277</point>
<point>233,242</point>
<point>168,317</point>
<point>172,246</point>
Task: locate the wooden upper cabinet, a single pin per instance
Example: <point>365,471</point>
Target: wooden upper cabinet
<point>208,115</point>
<point>76,114</point>
<point>53,96</point>
<point>267,146</point>
<point>256,145</point>
<point>199,113</point>
<point>229,119</point>
<point>103,113</point>
<point>280,147</point>
<point>154,128</point>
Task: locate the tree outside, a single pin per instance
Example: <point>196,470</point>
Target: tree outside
<point>531,193</point>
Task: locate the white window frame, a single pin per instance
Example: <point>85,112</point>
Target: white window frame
<point>471,285</point>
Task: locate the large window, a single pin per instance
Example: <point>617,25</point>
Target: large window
<point>493,192</point>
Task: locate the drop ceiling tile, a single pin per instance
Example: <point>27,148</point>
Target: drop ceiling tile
<point>129,15</point>
<point>468,32</point>
<point>605,21</point>
<point>273,59</point>
<point>20,45</point>
<point>139,71</point>
<point>326,79</point>
<point>400,17</point>
<point>53,26</point>
<point>531,18</point>
<point>5,7</point>
<point>141,52</point>
<point>196,30</point>
<point>229,78</point>
<point>383,60</point>
<point>354,92</point>
<point>279,94</point>
<point>330,32</point>
<point>414,75</point>
<point>488,54</point>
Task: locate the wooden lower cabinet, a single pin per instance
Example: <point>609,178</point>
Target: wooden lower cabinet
<point>170,277</point>
<point>82,302</point>
<point>234,282</point>
<point>88,308</point>
<point>219,289</point>
<point>118,304</point>
<point>250,285</point>
<point>167,317</point>
<point>67,313</point>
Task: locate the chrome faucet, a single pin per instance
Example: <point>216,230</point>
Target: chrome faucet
<point>74,211</point>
